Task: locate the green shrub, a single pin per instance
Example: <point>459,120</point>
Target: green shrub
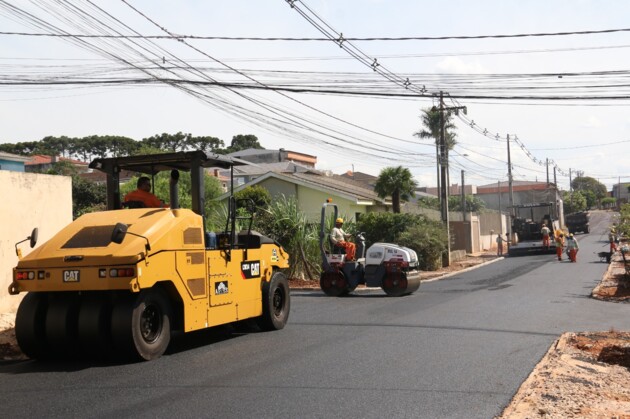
<point>426,237</point>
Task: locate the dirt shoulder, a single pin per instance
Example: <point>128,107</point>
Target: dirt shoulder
<point>585,375</point>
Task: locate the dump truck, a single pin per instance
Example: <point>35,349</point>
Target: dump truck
<point>124,280</point>
<point>527,223</point>
<point>578,222</point>
<point>389,266</point>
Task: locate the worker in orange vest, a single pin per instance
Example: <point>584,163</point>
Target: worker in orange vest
<point>143,194</point>
<point>545,235</point>
<point>339,238</point>
<point>573,248</point>
<point>559,244</point>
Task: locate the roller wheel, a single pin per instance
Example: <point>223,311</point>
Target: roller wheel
<point>94,326</point>
<point>30,330</point>
<point>142,328</point>
<point>334,283</point>
<point>399,284</point>
<point>276,303</point>
<point>61,324</point>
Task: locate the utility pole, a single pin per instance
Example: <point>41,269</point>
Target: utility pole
<point>570,189</point>
<point>510,188</point>
<point>444,173</point>
<point>499,189</point>
<point>547,172</point>
<point>466,230</point>
<point>619,193</point>
<point>463,194</point>
<point>444,184</point>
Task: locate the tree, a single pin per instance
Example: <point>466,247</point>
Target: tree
<point>573,202</point>
<point>243,142</point>
<point>204,143</point>
<point>593,190</point>
<point>87,196</point>
<point>259,195</point>
<point>431,123</point>
<point>169,142</point>
<point>473,203</point>
<point>396,182</point>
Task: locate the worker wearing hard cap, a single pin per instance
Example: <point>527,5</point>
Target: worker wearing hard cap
<point>559,244</point>
<point>339,239</point>
<point>572,247</point>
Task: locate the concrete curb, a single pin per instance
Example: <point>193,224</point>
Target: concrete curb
<point>437,278</point>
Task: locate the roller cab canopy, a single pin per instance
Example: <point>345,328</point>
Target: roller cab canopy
<point>189,161</point>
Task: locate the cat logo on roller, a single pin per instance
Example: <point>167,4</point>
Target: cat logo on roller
<point>250,269</point>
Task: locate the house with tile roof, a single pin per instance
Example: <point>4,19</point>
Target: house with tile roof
<point>40,163</point>
<point>312,188</point>
<point>497,196</point>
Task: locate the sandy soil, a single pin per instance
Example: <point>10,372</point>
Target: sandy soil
<point>583,375</point>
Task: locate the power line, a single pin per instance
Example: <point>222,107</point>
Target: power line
<point>308,39</point>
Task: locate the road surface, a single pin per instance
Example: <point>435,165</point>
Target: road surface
<point>458,348</point>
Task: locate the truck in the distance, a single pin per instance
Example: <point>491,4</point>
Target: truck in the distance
<point>578,222</point>
<point>527,223</point>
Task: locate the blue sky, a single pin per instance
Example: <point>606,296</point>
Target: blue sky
<point>366,134</point>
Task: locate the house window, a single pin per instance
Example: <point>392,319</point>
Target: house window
<point>357,216</point>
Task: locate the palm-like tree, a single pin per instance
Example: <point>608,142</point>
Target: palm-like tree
<point>431,129</point>
<point>396,182</point>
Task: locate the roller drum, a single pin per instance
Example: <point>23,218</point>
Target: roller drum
<point>397,284</point>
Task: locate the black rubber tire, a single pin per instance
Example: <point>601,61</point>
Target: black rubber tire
<point>142,328</point>
<point>30,329</point>
<point>276,303</point>
<point>94,326</point>
<point>61,324</point>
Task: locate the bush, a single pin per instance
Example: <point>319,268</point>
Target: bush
<point>429,241</point>
<point>426,237</point>
<point>286,224</point>
<point>385,226</point>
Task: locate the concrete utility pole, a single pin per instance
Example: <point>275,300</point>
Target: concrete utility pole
<point>547,172</point>
<point>510,188</point>
<point>463,193</point>
<point>444,184</point>
<point>570,189</point>
<point>499,189</point>
<point>466,230</point>
<point>444,173</point>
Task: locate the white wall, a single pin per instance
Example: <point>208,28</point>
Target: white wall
<point>28,200</point>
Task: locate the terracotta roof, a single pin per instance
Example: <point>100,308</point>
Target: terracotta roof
<point>43,159</point>
<point>334,184</point>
